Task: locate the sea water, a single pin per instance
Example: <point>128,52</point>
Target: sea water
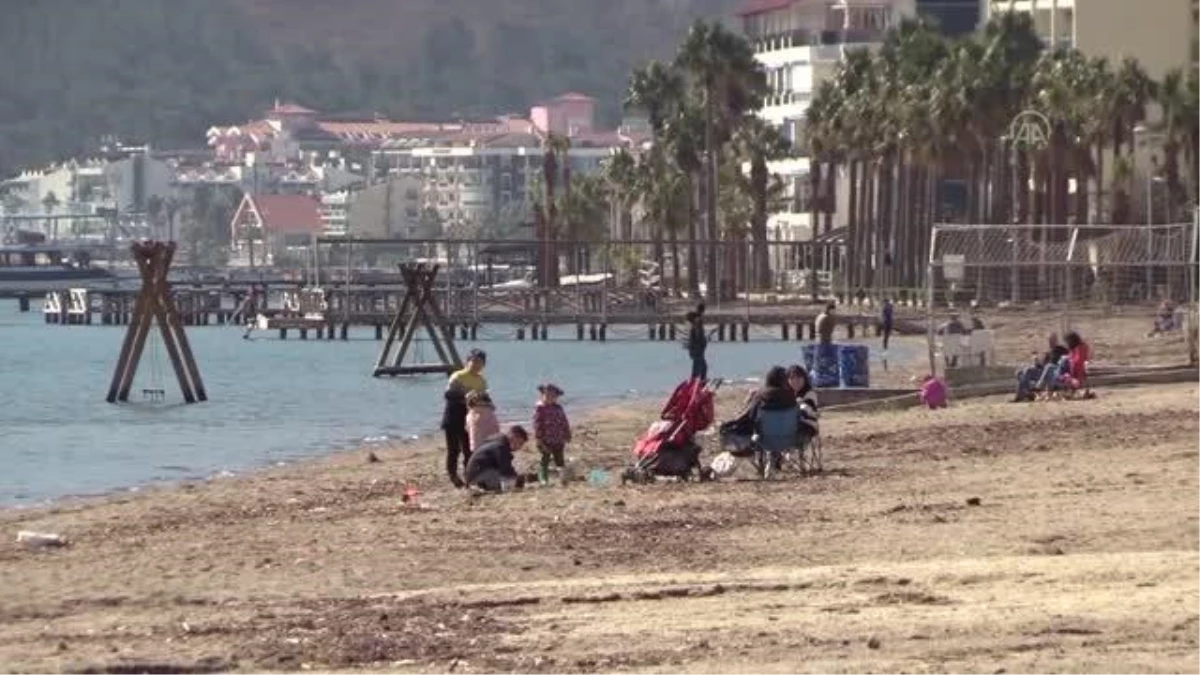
<point>273,400</point>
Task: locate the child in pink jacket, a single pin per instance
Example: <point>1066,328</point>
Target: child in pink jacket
<point>482,422</point>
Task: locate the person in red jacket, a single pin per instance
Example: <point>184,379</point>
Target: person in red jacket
<point>1078,354</point>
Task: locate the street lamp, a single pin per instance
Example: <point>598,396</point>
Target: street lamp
<point>1145,133</point>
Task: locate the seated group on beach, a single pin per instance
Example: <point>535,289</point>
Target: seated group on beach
<point>783,389</point>
<point>1061,369</point>
<point>473,434</point>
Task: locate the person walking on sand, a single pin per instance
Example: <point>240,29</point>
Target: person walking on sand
<point>697,342</point>
<point>551,429</point>
<point>454,417</point>
<point>826,321</point>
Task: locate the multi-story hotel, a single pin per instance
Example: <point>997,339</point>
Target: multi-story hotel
<point>954,17</point>
<point>1158,33</point>
<point>799,43</point>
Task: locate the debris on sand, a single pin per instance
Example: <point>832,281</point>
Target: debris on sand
<point>33,539</point>
<point>974,501</point>
<point>372,458</point>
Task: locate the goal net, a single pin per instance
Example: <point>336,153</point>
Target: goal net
<point>1114,281</point>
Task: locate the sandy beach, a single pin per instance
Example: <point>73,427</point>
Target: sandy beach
<point>989,537</point>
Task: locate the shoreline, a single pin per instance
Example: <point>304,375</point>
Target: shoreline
<point>335,454</point>
<point>431,435</point>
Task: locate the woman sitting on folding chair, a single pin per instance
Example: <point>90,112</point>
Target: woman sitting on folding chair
<point>737,435</point>
<point>806,398</point>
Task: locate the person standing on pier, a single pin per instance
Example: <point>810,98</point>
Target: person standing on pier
<point>454,417</point>
<point>697,342</point>
<point>886,321</point>
<point>826,322</point>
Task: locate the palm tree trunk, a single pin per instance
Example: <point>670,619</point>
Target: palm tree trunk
<point>851,268</point>
<point>814,222</point>
<point>675,274</point>
<point>710,196</point>
<point>693,237</point>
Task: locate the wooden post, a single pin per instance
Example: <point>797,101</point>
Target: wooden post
<point>153,259</point>
<point>418,309</point>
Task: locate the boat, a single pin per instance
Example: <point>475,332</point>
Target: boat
<point>38,268</point>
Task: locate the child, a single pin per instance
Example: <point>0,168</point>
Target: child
<point>933,392</point>
<point>551,429</point>
<point>482,423</point>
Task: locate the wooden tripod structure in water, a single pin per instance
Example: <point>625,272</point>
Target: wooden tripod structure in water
<point>418,310</point>
<point>153,259</point>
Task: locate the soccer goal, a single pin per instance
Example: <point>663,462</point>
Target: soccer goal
<point>1054,276</point>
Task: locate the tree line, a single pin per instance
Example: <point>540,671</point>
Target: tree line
<point>899,121</point>
<point>923,109</point>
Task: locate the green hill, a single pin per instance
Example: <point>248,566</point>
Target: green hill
<point>73,71</point>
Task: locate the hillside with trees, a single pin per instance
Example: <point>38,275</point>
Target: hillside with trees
<point>73,72</point>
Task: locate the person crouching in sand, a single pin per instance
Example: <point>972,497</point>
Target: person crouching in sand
<point>491,466</point>
<point>482,422</point>
<point>551,429</point>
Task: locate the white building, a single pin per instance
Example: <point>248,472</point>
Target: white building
<point>799,43</point>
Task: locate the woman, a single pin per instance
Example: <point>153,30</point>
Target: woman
<point>775,394</point>
<point>1078,355</point>
<point>806,398</point>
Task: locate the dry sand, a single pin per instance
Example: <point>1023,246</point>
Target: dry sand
<point>989,537</point>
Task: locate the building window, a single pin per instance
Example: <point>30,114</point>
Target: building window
<point>801,194</point>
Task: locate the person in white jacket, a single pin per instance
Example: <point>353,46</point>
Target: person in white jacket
<point>482,422</point>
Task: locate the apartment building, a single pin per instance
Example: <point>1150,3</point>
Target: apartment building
<point>954,17</point>
<point>800,43</point>
<point>1158,33</point>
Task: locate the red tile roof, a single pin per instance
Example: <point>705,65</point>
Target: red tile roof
<point>288,214</point>
<point>752,7</point>
<point>291,109</point>
<point>573,96</point>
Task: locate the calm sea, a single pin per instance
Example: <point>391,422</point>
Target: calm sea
<point>276,401</point>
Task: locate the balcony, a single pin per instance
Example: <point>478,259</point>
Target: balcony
<point>785,98</point>
<point>816,38</point>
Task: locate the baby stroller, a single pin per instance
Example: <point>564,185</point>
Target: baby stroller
<point>669,447</point>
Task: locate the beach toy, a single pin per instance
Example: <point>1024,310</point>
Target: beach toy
<point>854,367</point>
<point>824,371</point>
<point>411,497</point>
<point>598,478</point>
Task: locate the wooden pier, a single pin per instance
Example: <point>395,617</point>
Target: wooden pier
<point>328,314</point>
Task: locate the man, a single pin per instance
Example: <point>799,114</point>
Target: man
<point>1038,375</point>
<point>491,466</point>
<point>976,322</point>
<point>953,327</point>
<point>826,321</point>
<point>697,343</point>
<point>886,321</point>
<point>454,417</point>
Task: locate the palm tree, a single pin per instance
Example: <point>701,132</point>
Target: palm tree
<point>658,91</point>
<point>49,204</point>
<point>154,210</point>
<point>620,171</point>
<point>728,82</point>
<point>757,143</point>
<point>546,216</point>
<point>1176,97</point>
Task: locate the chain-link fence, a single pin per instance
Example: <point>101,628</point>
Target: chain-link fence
<point>1130,291</point>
